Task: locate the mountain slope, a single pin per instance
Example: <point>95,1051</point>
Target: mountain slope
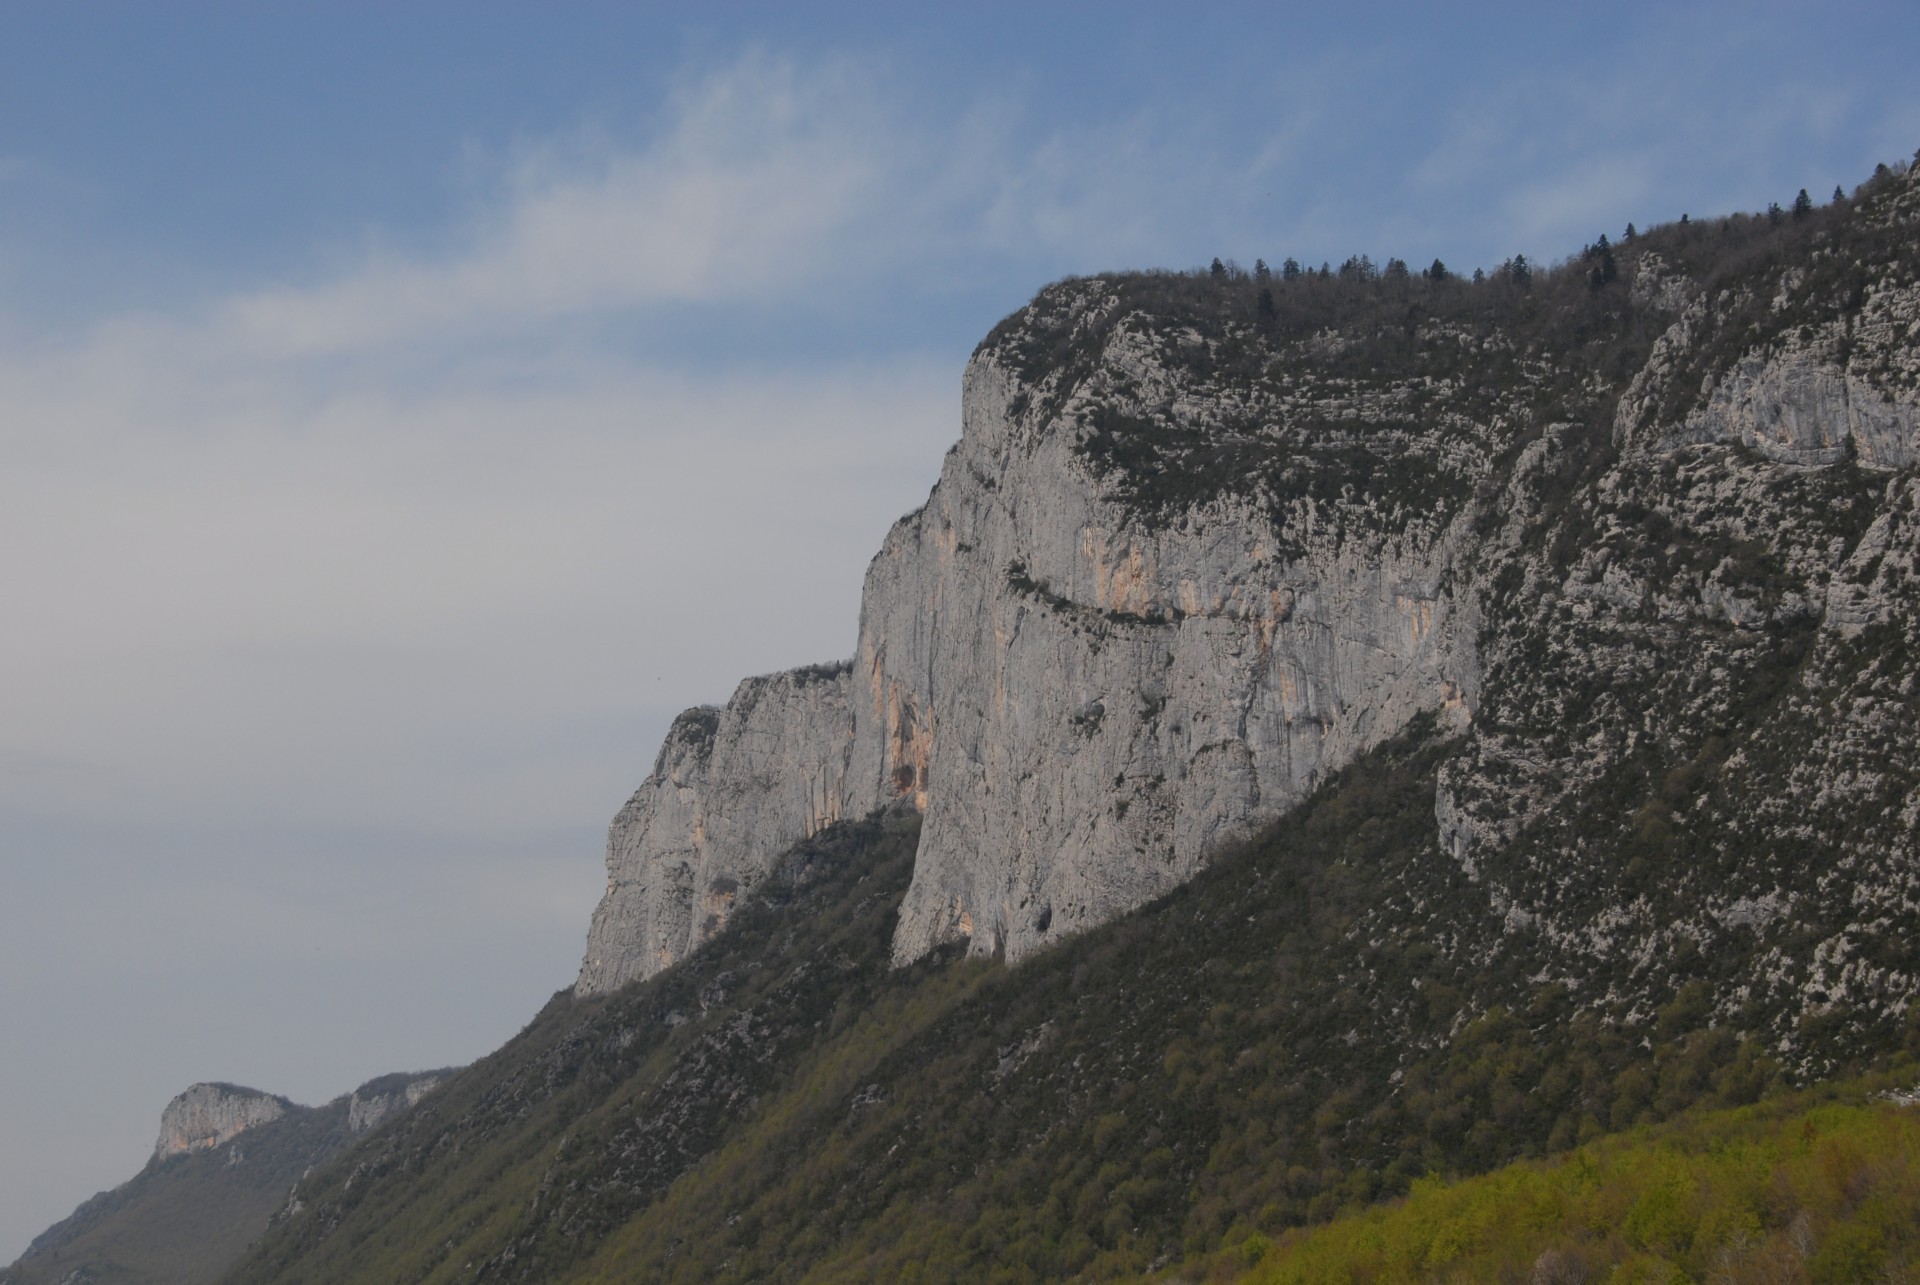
<point>1313,1022</point>
<point>1806,1188</point>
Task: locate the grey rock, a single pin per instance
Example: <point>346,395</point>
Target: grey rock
<point>1799,409</point>
<point>367,1108</point>
<point>1085,704</point>
<point>731,789</point>
<point>208,1115</point>
<point>1109,700</point>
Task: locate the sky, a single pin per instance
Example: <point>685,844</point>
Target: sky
<point>405,409</point>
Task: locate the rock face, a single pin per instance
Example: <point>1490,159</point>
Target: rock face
<point>209,1115</point>
<point>1185,560</point>
<point>731,789</point>
<point>377,1100</point>
<point>1088,703</point>
<point>1083,702</point>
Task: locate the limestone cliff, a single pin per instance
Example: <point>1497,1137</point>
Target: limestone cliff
<point>209,1115</point>
<point>1088,702</point>
<point>1189,555</point>
<point>731,789</point>
<point>1084,701</point>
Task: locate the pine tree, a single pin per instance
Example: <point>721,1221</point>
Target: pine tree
<point>1437,271</point>
<point>1290,270</point>
<point>1604,270</point>
<point>1218,271</point>
<point>1260,272</point>
<point>1802,205</point>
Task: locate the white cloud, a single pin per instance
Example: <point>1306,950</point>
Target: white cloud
<point>754,184</point>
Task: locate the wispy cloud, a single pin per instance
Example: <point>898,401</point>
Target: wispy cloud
<point>753,184</point>
<point>1675,121</point>
<point>768,180</point>
<point>328,531</point>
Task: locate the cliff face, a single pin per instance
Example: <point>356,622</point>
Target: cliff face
<point>209,1115</point>
<point>1083,703</point>
<point>1087,703</point>
<point>731,790</point>
<point>1185,560</point>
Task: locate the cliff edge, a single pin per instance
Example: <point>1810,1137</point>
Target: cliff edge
<point>1196,549</point>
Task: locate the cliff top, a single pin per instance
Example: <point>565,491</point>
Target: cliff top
<point>1299,387</point>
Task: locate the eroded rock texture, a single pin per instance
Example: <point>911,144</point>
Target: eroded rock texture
<point>378,1100</point>
<point>1193,551</point>
<point>210,1115</point>
<point>1085,700</point>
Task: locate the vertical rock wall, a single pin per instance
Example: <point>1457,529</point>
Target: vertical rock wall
<point>1099,703</point>
<point>732,788</point>
<point>1083,704</point>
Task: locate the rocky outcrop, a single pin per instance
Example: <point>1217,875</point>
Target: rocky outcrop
<point>731,789</point>
<point>1798,408</point>
<point>378,1100</point>
<point>209,1115</point>
<point>226,1161</point>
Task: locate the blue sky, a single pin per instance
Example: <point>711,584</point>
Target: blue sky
<point>407,408</point>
